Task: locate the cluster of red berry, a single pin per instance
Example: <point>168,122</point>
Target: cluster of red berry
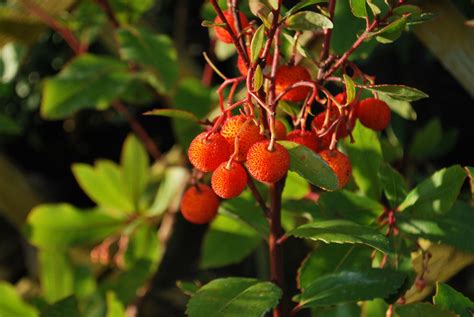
<point>239,146</point>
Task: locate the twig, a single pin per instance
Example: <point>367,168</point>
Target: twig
<point>104,4</point>
<point>327,37</point>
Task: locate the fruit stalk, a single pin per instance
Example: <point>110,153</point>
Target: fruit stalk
<point>275,249</point>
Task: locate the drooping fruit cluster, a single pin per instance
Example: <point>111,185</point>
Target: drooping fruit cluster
<point>265,165</point>
<point>199,204</point>
<point>208,151</point>
<point>245,130</point>
<point>373,113</point>
<point>229,180</point>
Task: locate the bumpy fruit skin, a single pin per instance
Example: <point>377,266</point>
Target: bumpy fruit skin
<point>248,135</point>
<point>340,164</point>
<point>222,33</point>
<point>206,154</point>
<point>306,138</point>
<point>266,166</point>
<point>199,205</point>
<point>280,130</point>
<point>243,68</point>
<point>375,114</point>
<point>229,183</point>
<point>287,76</point>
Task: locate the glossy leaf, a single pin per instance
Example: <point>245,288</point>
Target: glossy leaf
<point>135,168</point>
<point>308,21</point>
<point>155,52</point>
<point>11,303</point>
<point>436,194</point>
<point>393,184</point>
<point>310,166</point>
<point>366,156</point>
<point>63,225</point>
<point>358,8</point>
<point>449,299</point>
<point>399,92</point>
<point>342,231</point>
<point>227,242</point>
<point>421,310</point>
<point>351,286</point>
<point>303,4</point>
<point>258,41</point>
<point>89,81</point>
<point>391,32</point>
<point>173,113</point>
<point>234,297</point>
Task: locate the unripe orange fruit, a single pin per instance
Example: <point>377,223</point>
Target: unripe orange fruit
<point>268,166</point>
<point>340,164</point>
<point>280,130</point>
<point>229,182</point>
<point>206,153</point>
<point>243,68</point>
<point>306,138</point>
<point>222,33</point>
<point>375,114</point>
<point>199,205</point>
<point>246,130</point>
<point>289,75</point>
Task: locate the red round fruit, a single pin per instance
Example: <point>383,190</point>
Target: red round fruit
<point>268,166</point>
<point>221,33</point>
<point>373,113</point>
<point>199,204</point>
<point>280,130</point>
<point>243,68</point>
<point>340,164</point>
<point>289,75</point>
<point>229,182</point>
<point>306,138</point>
<point>206,152</point>
<point>246,130</point>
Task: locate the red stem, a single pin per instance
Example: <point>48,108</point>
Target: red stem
<point>328,32</point>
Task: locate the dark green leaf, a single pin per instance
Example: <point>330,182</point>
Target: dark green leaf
<point>421,310</point>
<point>308,21</point>
<point>65,307</point>
<point>303,4</point>
<point>366,156</point>
<point>448,298</point>
<point>232,297</point>
<point>11,303</point>
<point>246,210</point>
<point>258,41</point>
<point>398,92</point>
<point>391,32</point>
<point>341,310</point>
<point>310,166</point>
<point>174,113</point>
<point>135,162</point>
<point>143,245</point>
<point>56,274</point>
<point>436,194</point>
<point>87,82</point>
<point>342,231</point>
<point>351,286</point>
<point>358,8</point>
<point>152,51</point>
<point>393,184</point>
<point>406,8</point>
<point>9,126</point>
<point>227,242</point>
<point>63,225</point>
<point>426,140</point>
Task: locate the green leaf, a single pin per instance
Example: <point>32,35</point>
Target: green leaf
<point>310,166</point>
<point>374,8</point>
<point>114,306</point>
<point>258,78</point>
<point>358,8</point>
<point>308,21</point>
<point>296,187</point>
<point>351,286</point>
<point>143,245</point>
<point>403,108</point>
<point>135,168</point>
<point>436,194</point>
<point>453,228</point>
<point>342,231</point>
<point>105,185</point>
<point>350,89</point>
<point>63,225</point>
<point>56,274</point>
<point>366,156</point>
<point>11,303</point>
<point>391,32</point>
<point>427,140</point>
<point>87,82</point>
<point>330,259</point>
<point>232,297</point>
<point>258,41</point>
<point>65,307</point>
<point>188,288</point>
<point>288,42</point>
<point>289,108</point>
<point>170,190</point>
<point>449,299</point>
<point>153,52</point>
<point>246,210</point>
<point>421,310</point>
<point>398,92</point>
<point>174,113</point>
<point>227,242</point>
<point>9,126</point>
<point>302,4</point>
<point>129,11</point>
<point>393,184</point>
